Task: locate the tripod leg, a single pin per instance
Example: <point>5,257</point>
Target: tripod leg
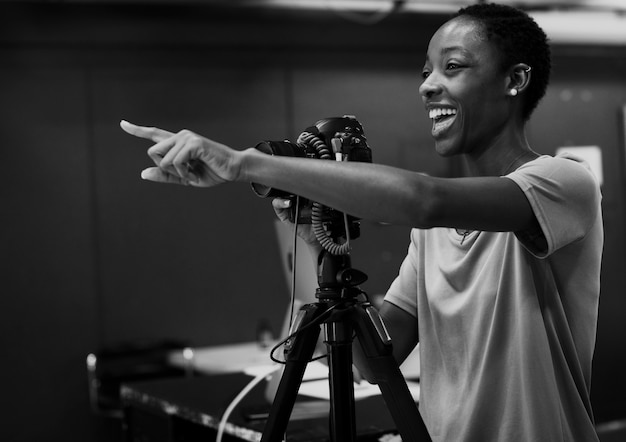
<point>376,345</point>
<point>341,381</point>
<point>298,352</point>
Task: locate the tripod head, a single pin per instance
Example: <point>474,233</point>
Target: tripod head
<point>336,278</point>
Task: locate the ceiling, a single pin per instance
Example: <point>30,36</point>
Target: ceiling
<point>432,5</point>
<point>595,22</point>
<point>578,22</point>
<point>406,5</point>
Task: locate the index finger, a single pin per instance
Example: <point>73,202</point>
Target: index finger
<point>150,133</point>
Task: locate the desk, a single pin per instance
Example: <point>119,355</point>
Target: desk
<point>232,358</point>
<point>189,409</point>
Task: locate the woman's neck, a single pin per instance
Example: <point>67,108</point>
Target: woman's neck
<point>505,154</point>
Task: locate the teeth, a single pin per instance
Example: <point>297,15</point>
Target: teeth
<point>434,113</point>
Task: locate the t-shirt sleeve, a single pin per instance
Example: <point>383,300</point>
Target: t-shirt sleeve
<point>564,196</point>
<point>402,291</point>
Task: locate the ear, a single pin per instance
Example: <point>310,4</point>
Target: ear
<point>518,78</point>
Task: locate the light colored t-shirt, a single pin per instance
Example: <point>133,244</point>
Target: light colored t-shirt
<point>507,322</point>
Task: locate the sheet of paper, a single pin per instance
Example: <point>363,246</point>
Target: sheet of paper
<point>314,370</point>
<point>321,390</point>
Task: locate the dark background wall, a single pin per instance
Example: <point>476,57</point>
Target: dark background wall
<point>94,257</point>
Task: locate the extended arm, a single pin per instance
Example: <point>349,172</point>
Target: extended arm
<point>369,191</point>
<point>387,194</point>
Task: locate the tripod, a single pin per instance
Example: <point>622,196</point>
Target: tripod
<point>344,317</point>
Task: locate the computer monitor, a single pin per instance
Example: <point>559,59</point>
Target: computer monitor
<point>304,285</point>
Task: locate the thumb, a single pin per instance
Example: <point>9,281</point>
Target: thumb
<point>160,176</point>
<point>281,208</point>
<point>281,203</point>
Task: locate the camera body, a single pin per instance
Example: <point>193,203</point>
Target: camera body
<point>338,139</point>
<point>335,138</point>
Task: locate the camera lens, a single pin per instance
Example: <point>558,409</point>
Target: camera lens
<point>279,148</point>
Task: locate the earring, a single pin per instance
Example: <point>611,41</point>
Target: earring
<point>513,92</point>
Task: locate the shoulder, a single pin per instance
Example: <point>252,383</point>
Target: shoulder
<point>564,195</point>
<point>563,174</point>
<point>563,167</point>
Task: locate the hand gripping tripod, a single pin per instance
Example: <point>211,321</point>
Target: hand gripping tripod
<point>343,317</point>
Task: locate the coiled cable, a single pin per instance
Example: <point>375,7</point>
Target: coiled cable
<point>307,139</point>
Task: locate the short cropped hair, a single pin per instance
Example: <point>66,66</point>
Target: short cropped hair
<point>518,39</point>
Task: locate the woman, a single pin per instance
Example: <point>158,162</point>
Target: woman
<point>501,281</point>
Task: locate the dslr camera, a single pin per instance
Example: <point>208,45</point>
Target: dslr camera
<point>335,139</point>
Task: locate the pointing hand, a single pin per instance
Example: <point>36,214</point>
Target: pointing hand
<point>186,157</point>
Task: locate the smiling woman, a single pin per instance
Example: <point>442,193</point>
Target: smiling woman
<point>471,74</point>
<point>501,281</point>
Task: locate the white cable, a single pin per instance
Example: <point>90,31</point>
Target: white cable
<point>239,398</point>
<point>294,262</point>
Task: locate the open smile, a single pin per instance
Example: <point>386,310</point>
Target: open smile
<point>443,118</point>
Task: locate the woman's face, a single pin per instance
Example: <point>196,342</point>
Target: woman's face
<point>464,89</point>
